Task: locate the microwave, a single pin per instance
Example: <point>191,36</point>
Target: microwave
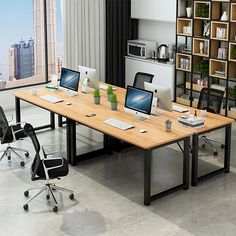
<point>141,48</point>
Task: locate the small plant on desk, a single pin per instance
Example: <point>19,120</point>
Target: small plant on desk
<point>109,92</point>
<point>96,96</point>
<point>113,101</point>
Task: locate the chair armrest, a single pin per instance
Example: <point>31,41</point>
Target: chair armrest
<point>52,159</point>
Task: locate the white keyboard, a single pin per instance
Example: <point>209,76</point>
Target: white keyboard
<point>51,98</point>
<point>104,87</point>
<point>179,109</point>
<point>118,124</point>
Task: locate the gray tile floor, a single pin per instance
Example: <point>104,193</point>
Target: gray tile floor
<point>109,193</point>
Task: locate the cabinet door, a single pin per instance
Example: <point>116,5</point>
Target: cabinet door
<point>163,74</point>
<point>159,10</point>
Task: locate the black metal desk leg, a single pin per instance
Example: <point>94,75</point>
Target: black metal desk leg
<point>52,120</point>
<point>59,121</point>
<point>147,177</point>
<point>186,163</point>
<point>73,142</point>
<point>195,160</point>
<point>227,148</point>
<point>68,136</point>
<point>17,107</point>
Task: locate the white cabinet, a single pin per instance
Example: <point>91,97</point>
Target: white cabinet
<point>163,73</point>
<point>159,10</point>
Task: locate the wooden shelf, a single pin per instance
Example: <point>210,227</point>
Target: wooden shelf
<point>218,65</point>
<point>219,54</point>
<point>183,62</point>
<point>184,26</point>
<point>196,87</point>
<point>224,28</point>
<point>202,10</point>
<point>233,12</point>
<point>232,71</point>
<point>183,101</point>
<point>232,52</point>
<point>232,31</point>
<point>205,47</point>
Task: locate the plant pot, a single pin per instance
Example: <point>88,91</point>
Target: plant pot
<point>114,106</point>
<point>109,96</point>
<point>97,100</point>
<point>189,12</point>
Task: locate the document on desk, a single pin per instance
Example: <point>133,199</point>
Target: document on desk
<point>179,109</point>
<point>118,124</point>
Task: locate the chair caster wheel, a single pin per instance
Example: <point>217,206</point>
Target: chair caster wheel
<point>55,209</point>
<point>47,197</point>
<point>22,163</point>
<point>26,207</point>
<point>203,145</point>
<point>72,197</point>
<point>222,146</point>
<point>9,158</point>
<point>215,153</point>
<point>26,193</point>
<point>26,154</point>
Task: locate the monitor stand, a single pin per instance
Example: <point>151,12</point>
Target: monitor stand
<point>140,118</point>
<point>71,93</point>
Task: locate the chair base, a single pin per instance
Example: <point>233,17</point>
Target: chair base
<point>9,150</point>
<point>209,141</point>
<point>48,188</point>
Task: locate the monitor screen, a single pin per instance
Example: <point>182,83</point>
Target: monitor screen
<point>139,100</point>
<point>69,79</point>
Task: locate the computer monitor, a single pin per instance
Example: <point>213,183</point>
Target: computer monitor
<point>162,94</point>
<point>89,78</point>
<point>139,102</point>
<point>69,80</point>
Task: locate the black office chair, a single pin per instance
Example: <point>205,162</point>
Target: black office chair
<point>210,100</point>
<point>9,134</point>
<point>46,168</point>
<point>140,78</point>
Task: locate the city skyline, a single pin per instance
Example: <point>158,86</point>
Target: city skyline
<point>23,25</point>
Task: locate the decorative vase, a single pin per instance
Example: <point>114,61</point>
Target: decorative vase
<point>189,12</point>
<point>114,106</point>
<point>224,16</point>
<point>97,100</point>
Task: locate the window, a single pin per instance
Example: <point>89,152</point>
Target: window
<point>22,49</point>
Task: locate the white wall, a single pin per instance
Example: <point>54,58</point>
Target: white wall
<point>162,32</point>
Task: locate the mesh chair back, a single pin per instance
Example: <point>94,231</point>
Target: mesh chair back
<point>29,131</point>
<point>140,78</point>
<point>210,100</point>
<point>3,123</point>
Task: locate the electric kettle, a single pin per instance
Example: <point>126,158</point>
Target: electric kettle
<point>162,51</point>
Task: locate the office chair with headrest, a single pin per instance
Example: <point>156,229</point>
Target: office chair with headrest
<point>46,168</point>
<point>210,100</point>
<point>140,78</point>
<point>9,134</point>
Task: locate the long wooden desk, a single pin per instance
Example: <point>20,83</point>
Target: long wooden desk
<point>155,137</point>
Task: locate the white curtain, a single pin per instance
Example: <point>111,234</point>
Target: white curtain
<point>84,33</point>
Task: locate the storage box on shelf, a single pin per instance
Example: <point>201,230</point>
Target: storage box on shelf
<point>218,68</point>
<point>201,28</point>
<point>184,26</point>
<point>183,62</point>
<point>202,10</point>
<point>183,101</point>
<point>232,52</point>
<point>201,47</point>
<point>219,50</point>
<point>219,30</point>
<point>233,12</point>
<point>196,87</point>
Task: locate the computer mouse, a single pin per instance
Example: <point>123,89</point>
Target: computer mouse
<point>142,131</point>
<point>68,103</point>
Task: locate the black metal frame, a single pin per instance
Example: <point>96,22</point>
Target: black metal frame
<point>225,169</point>
<point>148,198</point>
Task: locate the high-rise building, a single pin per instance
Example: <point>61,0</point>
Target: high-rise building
<point>21,60</point>
<point>39,37</point>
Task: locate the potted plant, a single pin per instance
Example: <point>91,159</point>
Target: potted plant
<point>189,9</point>
<point>109,92</point>
<point>113,101</point>
<point>96,96</point>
